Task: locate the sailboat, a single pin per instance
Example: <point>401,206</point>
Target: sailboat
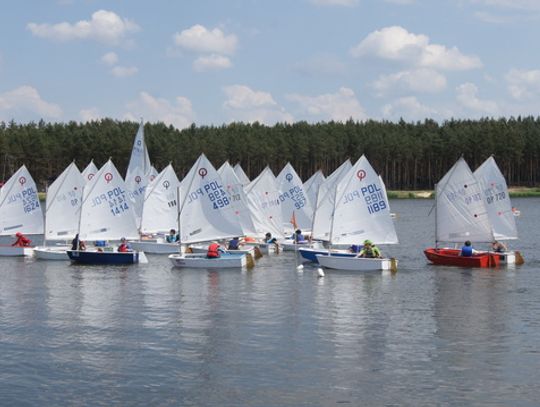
<point>138,173</point>
<point>461,215</point>
<point>20,211</point>
<point>206,214</point>
<point>361,212</point>
<point>90,171</point>
<point>499,208</point>
<point>324,207</point>
<point>62,208</point>
<point>160,213</point>
<point>311,188</point>
<point>241,174</point>
<point>106,213</point>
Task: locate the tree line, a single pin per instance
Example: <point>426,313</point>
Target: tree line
<point>409,156</point>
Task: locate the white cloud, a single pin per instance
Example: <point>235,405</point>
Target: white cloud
<point>211,63</point>
<point>26,103</point>
<point>340,106</point>
<point>408,108</point>
<point>110,58</point>
<point>523,84</point>
<point>179,113</point>
<point>247,105</point>
<point>347,3</point>
<point>199,39</point>
<point>104,26</point>
<point>419,80</point>
<point>124,71</point>
<point>467,96</point>
<point>397,44</point>
<point>90,114</point>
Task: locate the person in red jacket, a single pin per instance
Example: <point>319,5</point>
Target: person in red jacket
<point>124,247</point>
<point>213,251</point>
<point>22,240</point>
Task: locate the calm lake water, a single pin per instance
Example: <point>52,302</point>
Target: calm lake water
<point>154,335</point>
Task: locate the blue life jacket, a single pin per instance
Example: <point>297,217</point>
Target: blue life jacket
<point>466,251</point>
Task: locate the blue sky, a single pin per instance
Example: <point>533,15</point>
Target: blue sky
<point>213,62</point>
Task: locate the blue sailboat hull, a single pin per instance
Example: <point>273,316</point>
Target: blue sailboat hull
<point>310,254</point>
<point>91,257</point>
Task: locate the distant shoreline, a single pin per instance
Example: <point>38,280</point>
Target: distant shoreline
<point>515,192</point>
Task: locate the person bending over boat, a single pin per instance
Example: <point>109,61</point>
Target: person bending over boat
<point>77,244</point>
<point>467,249</point>
<point>214,251</point>
<point>22,240</point>
<point>498,247</point>
<point>370,251</point>
<point>269,239</point>
<point>172,237</point>
<point>234,244</point>
<point>124,247</point>
<point>298,237</point>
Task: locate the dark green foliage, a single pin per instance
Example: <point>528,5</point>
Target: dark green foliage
<point>409,156</point>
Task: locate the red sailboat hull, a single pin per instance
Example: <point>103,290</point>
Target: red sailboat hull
<point>452,257</point>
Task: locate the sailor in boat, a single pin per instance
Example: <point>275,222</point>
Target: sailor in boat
<point>77,244</point>
<point>498,247</point>
<point>370,251</point>
<point>298,237</point>
<point>269,239</point>
<point>172,237</point>
<point>467,249</point>
<point>234,244</point>
<point>125,246</point>
<point>214,251</point>
<point>22,240</point>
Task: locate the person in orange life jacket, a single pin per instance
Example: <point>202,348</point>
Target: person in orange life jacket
<point>124,246</point>
<point>214,251</point>
<point>22,240</point>
<point>467,249</point>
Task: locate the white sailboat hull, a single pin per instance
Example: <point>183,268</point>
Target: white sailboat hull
<point>155,247</point>
<point>354,263</point>
<point>290,246</point>
<point>15,251</point>
<point>201,248</point>
<point>51,253</point>
<point>199,260</point>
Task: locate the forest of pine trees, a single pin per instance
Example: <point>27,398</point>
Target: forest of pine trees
<point>409,156</point>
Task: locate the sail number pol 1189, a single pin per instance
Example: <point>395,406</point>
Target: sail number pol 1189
<point>372,195</point>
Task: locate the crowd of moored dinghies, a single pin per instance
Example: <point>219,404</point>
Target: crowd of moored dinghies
<point>337,221</point>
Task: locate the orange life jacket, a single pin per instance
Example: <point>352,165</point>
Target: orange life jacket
<point>213,251</point>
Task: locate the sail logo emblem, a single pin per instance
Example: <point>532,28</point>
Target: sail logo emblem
<point>108,177</point>
<point>139,143</point>
<point>361,174</point>
<point>90,176</point>
<point>138,179</point>
<point>289,177</point>
<point>203,172</point>
<point>166,184</point>
<point>152,177</point>
<point>22,181</point>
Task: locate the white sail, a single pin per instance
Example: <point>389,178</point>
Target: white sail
<point>107,212</point>
<point>138,172</point>
<point>293,200</point>
<point>152,174</point>
<point>497,200</point>
<point>239,199</point>
<point>241,175</point>
<point>361,208</point>
<point>20,210</point>
<point>90,171</point>
<point>461,213</point>
<point>311,187</point>
<point>160,209</point>
<point>325,203</point>
<point>62,208</point>
<point>263,201</point>
<point>206,212</point>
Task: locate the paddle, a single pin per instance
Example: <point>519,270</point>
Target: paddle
<point>393,265</point>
